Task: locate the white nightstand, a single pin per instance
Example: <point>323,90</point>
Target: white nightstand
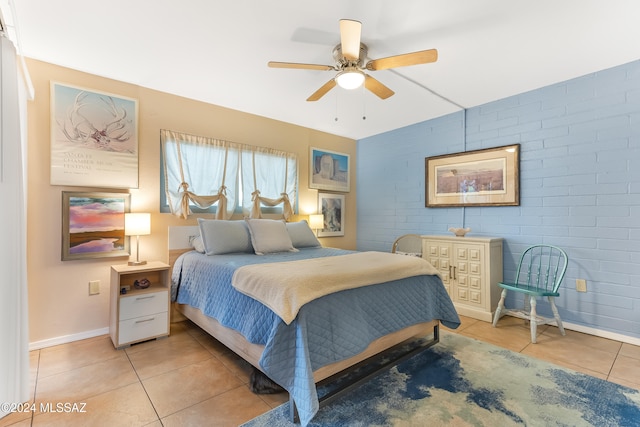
<point>139,314</point>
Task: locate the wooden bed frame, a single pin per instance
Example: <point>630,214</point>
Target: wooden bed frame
<point>179,242</point>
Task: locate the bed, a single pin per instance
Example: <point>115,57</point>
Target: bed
<point>222,269</point>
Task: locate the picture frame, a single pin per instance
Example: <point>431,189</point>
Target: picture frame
<point>332,208</point>
<point>329,170</point>
<point>93,225</point>
<point>94,138</point>
<point>486,177</point>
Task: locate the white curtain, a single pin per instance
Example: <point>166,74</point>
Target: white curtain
<point>269,178</point>
<point>14,341</point>
<point>199,170</point>
<point>203,171</point>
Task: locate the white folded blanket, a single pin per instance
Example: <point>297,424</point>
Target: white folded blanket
<point>285,287</point>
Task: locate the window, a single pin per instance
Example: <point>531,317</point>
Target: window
<point>202,174</point>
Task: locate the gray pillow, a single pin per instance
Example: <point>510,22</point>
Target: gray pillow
<point>197,244</point>
<point>269,236</point>
<point>301,235</point>
<point>224,237</point>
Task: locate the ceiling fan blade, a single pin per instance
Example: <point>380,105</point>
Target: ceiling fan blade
<point>273,64</point>
<point>377,88</point>
<point>322,91</point>
<point>415,58</point>
<point>350,38</point>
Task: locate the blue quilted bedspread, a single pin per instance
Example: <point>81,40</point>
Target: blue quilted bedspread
<point>327,330</point>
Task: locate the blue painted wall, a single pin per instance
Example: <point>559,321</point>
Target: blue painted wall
<point>579,187</point>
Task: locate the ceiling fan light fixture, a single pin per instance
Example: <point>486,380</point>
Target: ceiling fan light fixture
<point>349,56</point>
<point>350,78</point>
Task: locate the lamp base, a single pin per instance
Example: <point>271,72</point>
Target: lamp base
<point>136,262</point>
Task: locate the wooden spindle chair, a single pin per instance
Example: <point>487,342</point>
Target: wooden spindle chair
<point>539,274</point>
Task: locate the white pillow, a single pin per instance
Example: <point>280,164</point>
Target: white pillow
<point>269,236</point>
<point>224,237</point>
<point>197,244</point>
<point>301,235</point>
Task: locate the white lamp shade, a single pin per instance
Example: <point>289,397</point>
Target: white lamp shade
<point>350,78</point>
<point>137,224</point>
<point>316,221</point>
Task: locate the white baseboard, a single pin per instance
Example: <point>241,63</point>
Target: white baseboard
<point>600,333</point>
<point>37,345</point>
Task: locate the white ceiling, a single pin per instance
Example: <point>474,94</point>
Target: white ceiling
<point>217,51</point>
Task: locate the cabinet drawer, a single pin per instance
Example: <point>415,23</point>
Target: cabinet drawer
<point>143,304</point>
<point>143,327</point>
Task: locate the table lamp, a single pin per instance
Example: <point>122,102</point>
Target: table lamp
<point>316,222</point>
<point>137,224</point>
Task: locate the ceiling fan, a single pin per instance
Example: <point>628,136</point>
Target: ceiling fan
<point>350,55</point>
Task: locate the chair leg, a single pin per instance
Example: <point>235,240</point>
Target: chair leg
<point>498,314</point>
<point>556,315</point>
<point>532,321</point>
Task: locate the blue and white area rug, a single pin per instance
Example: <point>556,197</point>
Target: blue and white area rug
<point>464,382</point>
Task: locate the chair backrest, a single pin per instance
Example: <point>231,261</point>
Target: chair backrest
<point>409,244</point>
<point>543,267</point>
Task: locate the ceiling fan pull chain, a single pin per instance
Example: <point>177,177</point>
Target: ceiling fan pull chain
<point>336,118</point>
<point>364,104</point>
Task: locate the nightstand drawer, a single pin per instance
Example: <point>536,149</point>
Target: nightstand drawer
<point>143,327</point>
<point>143,304</point>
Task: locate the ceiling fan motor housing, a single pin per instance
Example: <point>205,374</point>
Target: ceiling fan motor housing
<point>342,62</point>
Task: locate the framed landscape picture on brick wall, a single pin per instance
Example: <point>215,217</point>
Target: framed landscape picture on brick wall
<point>487,177</point>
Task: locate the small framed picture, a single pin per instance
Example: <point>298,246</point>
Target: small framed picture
<point>329,170</point>
<point>93,225</point>
<point>332,208</point>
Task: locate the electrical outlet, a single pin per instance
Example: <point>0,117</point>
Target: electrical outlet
<point>94,287</point>
<point>581,285</point>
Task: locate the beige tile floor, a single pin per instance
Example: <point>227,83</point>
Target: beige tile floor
<point>189,379</point>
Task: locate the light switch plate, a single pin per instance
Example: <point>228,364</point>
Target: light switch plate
<point>94,287</point>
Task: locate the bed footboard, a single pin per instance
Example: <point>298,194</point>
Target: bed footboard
<point>375,360</point>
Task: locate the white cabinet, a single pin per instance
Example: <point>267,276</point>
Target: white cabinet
<point>139,314</point>
<point>471,268</point>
